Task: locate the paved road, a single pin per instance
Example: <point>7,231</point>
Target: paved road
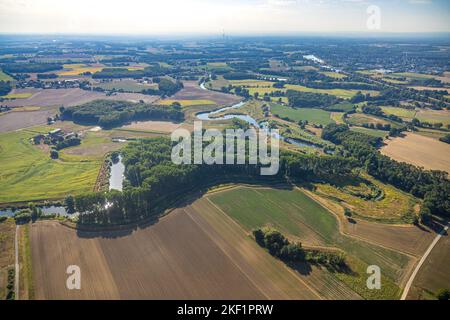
<point>16,250</point>
<point>424,257</point>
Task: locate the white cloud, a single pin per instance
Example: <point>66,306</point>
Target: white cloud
<point>203,16</point>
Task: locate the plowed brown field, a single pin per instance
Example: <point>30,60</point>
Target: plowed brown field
<point>420,151</point>
<point>196,252</point>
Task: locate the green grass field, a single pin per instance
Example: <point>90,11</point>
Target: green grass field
<point>358,119</point>
<point>412,75</point>
<point>316,116</point>
<point>297,215</point>
<point>400,112</point>
<point>221,66</point>
<point>28,173</point>
<point>126,85</point>
<point>4,76</point>
<point>341,107</point>
<point>370,132</point>
<point>335,75</point>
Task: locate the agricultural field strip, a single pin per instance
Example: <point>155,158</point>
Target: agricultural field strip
<point>319,200</point>
<point>341,227</point>
<point>212,238</point>
<point>302,223</point>
<point>377,254</point>
<point>422,260</point>
<point>319,279</point>
<point>240,227</point>
<point>413,259</point>
<point>16,264</point>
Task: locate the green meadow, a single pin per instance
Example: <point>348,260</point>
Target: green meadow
<point>294,213</point>
<point>28,173</point>
<point>317,116</point>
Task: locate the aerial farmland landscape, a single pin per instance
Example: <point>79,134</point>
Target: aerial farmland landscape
<point>166,161</point>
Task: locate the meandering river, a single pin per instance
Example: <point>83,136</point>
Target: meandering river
<point>209,116</point>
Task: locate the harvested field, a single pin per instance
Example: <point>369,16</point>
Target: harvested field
<point>434,116</point>
<point>79,68</point>
<point>405,238</point>
<point>71,97</point>
<point>160,126</point>
<point>186,103</point>
<point>17,120</point>
<point>192,91</point>
<point>217,262</point>
<point>420,151</point>
<point>434,273</point>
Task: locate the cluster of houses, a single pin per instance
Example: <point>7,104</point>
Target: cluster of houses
<point>58,84</point>
<point>54,137</point>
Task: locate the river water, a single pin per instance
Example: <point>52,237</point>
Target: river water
<point>209,116</point>
<point>117,175</point>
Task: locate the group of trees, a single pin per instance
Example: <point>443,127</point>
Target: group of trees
<point>168,88</point>
<point>279,246</point>
<point>42,76</point>
<point>112,73</point>
<point>299,99</point>
<point>378,126</point>
<point>66,143</point>
<point>32,213</point>
<point>432,186</point>
<point>108,113</point>
<point>5,88</point>
<point>445,138</point>
<point>31,67</point>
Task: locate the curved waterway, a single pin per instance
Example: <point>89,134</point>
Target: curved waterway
<point>117,175</point>
<point>210,116</point>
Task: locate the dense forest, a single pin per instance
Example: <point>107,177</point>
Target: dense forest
<point>109,114</point>
<point>31,67</point>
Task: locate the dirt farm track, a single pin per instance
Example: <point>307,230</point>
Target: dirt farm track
<point>195,252</point>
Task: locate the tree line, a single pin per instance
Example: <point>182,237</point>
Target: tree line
<point>279,246</point>
<point>432,186</point>
<point>153,180</point>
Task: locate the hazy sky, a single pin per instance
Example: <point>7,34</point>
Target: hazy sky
<point>215,16</point>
